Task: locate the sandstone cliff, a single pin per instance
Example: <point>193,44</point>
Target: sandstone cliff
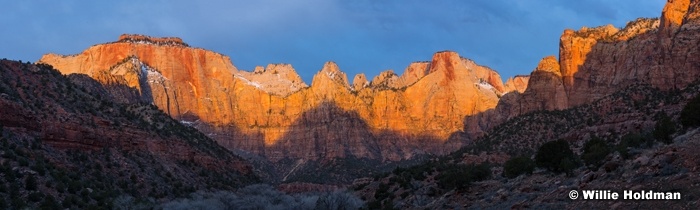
<point>595,62</point>
<point>270,111</point>
<point>517,83</point>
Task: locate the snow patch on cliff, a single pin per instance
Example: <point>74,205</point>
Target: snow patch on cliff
<point>251,83</point>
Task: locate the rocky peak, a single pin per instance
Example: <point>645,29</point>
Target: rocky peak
<point>414,72</point>
<point>485,74</point>
<point>549,64</point>
<point>143,39</point>
<point>259,70</point>
<point>599,32</point>
<point>385,80</point>
<point>330,74</point>
<point>276,79</point>
<point>444,61</point>
<point>518,83</point>
<point>447,64</point>
<point>672,15</point>
<point>574,46</point>
<point>636,27</point>
<point>359,82</point>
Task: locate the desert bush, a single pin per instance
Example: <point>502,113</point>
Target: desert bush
<point>517,166</point>
<point>460,176</point>
<point>633,140</point>
<point>664,128</point>
<point>594,152</point>
<point>556,156</point>
<point>690,115</point>
<point>30,183</point>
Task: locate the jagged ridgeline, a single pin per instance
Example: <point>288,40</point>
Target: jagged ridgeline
<point>271,112</point>
<point>66,145</point>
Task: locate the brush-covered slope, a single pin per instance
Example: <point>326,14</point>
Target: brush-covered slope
<point>67,144</point>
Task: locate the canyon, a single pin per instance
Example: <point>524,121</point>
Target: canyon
<point>434,107</point>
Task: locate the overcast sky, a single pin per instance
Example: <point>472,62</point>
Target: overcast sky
<point>362,36</point>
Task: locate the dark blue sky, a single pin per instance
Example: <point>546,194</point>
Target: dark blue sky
<point>362,36</point>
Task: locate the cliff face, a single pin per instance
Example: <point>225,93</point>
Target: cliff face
<point>545,88</point>
<point>518,83</point>
<point>595,62</point>
<point>270,111</point>
<point>656,53</point>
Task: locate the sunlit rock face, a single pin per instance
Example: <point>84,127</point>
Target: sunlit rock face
<point>272,112</point>
<point>595,62</point>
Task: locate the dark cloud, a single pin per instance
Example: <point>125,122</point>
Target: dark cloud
<point>361,36</point>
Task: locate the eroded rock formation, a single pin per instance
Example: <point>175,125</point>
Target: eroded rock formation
<point>264,110</point>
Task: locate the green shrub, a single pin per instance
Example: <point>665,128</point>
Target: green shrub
<point>50,203</point>
<point>594,152</point>
<point>30,183</point>
<point>35,197</point>
<point>633,140</point>
<point>517,166</point>
<point>460,176</point>
<point>690,115</point>
<point>556,156</point>
<point>664,128</point>
<point>382,192</point>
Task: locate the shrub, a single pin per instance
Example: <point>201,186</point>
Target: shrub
<point>594,152</point>
<point>690,115</point>
<point>633,140</point>
<point>556,156</point>
<point>50,203</point>
<point>517,166</point>
<point>664,128</point>
<point>35,197</point>
<point>30,183</point>
<point>460,176</point>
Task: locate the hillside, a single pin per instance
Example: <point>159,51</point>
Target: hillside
<point>605,116</point>
<point>625,120</point>
<point>65,145</point>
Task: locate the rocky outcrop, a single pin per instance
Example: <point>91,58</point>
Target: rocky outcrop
<point>270,111</point>
<point>672,16</point>
<point>574,47</point>
<point>545,89</point>
<point>275,79</point>
<point>359,82</point>
<point>137,38</point>
<point>517,83</point>
<point>596,62</point>
<point>650,56</point>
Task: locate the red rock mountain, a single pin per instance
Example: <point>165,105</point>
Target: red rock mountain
<point>272,112</point>
<point>595,62</point>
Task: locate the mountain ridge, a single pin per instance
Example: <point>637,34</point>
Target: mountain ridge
<point>204,89</point>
